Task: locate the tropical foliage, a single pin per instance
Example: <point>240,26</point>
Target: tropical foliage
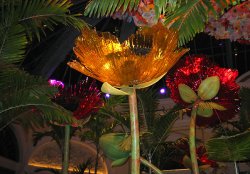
<point>186,16</point>
<point>21,21</point>
<point>230,148</point>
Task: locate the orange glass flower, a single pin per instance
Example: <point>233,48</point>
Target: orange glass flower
<point>145,56</point>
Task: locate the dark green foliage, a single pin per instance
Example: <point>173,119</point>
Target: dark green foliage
<point>230,148</point>
<point>81,168</point>
<point>241,125</point>
<point>101,8</point>
<point>28,98</point>
<point>156,126</point>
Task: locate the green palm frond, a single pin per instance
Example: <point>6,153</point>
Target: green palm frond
<point>157,126</point>
<point>23,94</point>
<point>164,123</point>
<point>232,148</point>
<point>21,20</point>
<point>147,106</point>
<point>36,16</point>
<point>109,110</point>
<point>189,19</point>
<point>12,43</point>
<point>166,6</point>
<point>100,8</point>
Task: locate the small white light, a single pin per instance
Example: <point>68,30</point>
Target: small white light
<point>107,95</point>
<point>162,90</point>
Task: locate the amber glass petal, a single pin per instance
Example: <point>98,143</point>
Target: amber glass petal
<point>146,55</point>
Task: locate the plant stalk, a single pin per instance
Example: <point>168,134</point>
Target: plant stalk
<point>192,146</point>
<point>134,124</point>
<point>151,166</point>
<point>65,165</point>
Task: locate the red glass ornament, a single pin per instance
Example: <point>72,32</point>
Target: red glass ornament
<point>83,98</point>
<point>191,71</point>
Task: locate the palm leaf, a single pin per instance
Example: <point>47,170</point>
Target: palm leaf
<point>23,94</point>
<point>36,16</point>
<point>190,17</point>
<point>12,43</point>
<point>101,8</point>
<point>164,6</point>
<point>231,148</point>
<point>109,110</point>
<point>157,126</point>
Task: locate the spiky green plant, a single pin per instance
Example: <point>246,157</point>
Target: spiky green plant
<point>22,94</point>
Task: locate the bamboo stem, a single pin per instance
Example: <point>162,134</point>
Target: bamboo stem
<point>192,147</point>
<point>134,124</point>
<point>151,166</point>
<point>65,166</point>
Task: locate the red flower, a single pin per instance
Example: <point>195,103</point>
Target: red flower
<point>83,99</point>
<point>191,71</point>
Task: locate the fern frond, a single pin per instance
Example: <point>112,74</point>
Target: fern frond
<point>101,8</point>
<point>189,19</point>
<point>164,6</point>
<point>232,148</point>
<point>36,16</point>
<point>22,94</point>
<point>12,43</point>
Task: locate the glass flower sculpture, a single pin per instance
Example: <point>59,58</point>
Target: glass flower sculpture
<point>83,98</point>
<point>145,56</point>
<point>136,63</point>
<point>191,71</point>
<point>208,89</point>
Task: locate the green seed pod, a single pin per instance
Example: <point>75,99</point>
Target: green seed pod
<point>187,94</point>
<point>209,88</point>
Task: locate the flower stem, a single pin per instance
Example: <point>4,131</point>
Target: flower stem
<point>151,166</point>
<point>134,124</point>
<point>192,146</point>
<point>66,150</point>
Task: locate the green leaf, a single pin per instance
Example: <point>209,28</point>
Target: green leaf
<point>99,8</point>
<point>36,16</point>
<point>118,162</point>
<point>109,89</point>
<point>150,83</point>
<point>110,144</point>
<point>23,94</point>
<point>189,19</point>
<point>187,94</point>
<point>12,43</point>
<point>204,112</point>
<point>211,105</point>
<point>126,143</point>
<point>209,88</point>
<point>229,149</point>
